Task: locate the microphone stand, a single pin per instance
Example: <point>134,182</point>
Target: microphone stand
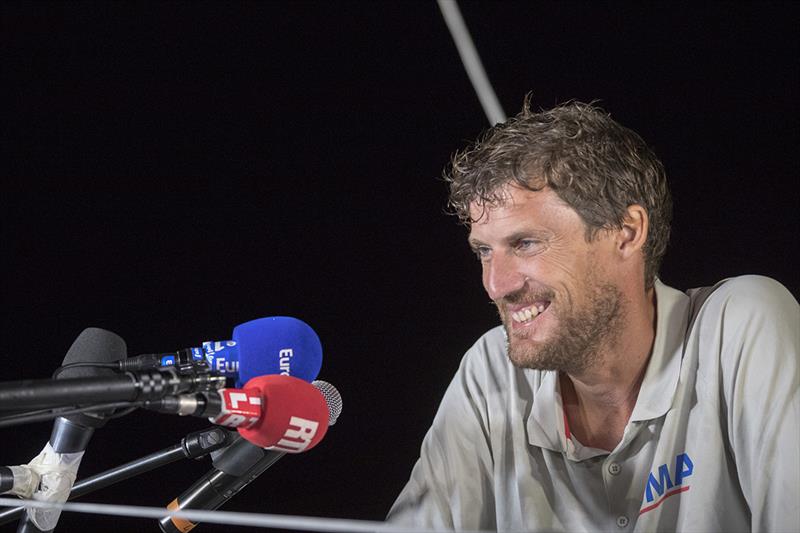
<point>193,446</point>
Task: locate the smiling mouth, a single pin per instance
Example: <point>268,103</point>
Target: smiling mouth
<point>528,314</point>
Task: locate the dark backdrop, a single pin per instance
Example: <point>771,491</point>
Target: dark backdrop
<point>174,169</point>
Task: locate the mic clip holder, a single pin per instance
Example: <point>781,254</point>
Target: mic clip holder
<point>186,362</point>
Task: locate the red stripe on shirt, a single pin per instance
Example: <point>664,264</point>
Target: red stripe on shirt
<point>667,495</point>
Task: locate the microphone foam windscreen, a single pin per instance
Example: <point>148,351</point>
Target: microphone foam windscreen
<point>94,345</point>
<point>294,414</point>
<point>277,345</point>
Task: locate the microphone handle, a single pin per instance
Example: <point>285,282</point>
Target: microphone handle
<point>6,479</point>
<point>53,393</point>
<point>67,437</point>
<point>217,487</point>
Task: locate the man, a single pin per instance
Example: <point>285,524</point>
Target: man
<point>606,400</point>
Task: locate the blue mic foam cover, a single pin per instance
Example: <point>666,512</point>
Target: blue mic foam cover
<point>277,345</point>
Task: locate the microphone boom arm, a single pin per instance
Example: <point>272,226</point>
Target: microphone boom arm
<point>130,386</point>
<point>193,446</point>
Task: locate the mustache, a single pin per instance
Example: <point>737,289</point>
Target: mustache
<point>525,296</point>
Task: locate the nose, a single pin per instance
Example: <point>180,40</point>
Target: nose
<point>502,277</point>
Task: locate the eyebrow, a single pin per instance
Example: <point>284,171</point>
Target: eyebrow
<point>474,243</point>
<point>514,237</point>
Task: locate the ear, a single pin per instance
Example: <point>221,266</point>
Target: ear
<point>633,234</point>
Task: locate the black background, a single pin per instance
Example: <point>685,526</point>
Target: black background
<point>174,169</point>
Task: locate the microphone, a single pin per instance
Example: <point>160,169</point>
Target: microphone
<point>275,345</point>
<point>19,480</point>
<point>130,387</point>
<point>54,469</point>
<point>234,468</point>
<point>272,345</point>
<point>270,411</point>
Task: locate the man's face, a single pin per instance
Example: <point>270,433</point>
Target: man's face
<point>556,298</point>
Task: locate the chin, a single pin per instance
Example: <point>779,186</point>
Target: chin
<point>554,355</point>
<point>526,353</point>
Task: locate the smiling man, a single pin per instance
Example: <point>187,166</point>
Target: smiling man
<point>606,400</point>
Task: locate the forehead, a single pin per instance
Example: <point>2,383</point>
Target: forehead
<point>522,210</point>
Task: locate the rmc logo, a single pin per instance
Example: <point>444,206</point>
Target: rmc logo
<point>661,486</point>
<point>298,436</point>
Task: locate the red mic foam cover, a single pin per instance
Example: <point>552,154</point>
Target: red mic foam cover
<point>294,414</point>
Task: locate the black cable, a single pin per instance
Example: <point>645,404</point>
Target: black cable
<point>41,415</point>
<point>124,412</point>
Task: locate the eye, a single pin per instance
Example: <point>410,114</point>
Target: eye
<point>482,252</point>
<point>528,245</point>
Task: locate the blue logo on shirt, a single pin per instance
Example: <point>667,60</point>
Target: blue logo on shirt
<point>661,481</point>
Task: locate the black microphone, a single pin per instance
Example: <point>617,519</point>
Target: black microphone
<point>128,387</point>
<point>234,468</point>
<point>71,434</point>
<point>6,479</point>
<point>16,480</point>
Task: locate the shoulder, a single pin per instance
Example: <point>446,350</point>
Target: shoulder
<point>746,299</point>
<point>464,409</point>
<point>490,345</point>
<point>487,359</point>
<point>755,289</point>
<point>750,326</point>
<point>487,372</point>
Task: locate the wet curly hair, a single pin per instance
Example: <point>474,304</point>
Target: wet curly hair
<point>595,165</point>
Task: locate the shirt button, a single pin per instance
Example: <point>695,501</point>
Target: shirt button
<point>622,521</point>
<point>614,469</point>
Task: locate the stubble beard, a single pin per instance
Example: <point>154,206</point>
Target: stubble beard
<point>582,333</point>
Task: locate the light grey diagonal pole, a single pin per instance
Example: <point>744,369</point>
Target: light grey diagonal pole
<point>472,62</point>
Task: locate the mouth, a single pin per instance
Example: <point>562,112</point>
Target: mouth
<point>528,314</point>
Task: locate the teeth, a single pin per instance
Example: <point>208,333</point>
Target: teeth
<point>527,314</point>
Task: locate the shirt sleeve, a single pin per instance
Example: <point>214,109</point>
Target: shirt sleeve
<point>761,386</point>
<point>451,483</point>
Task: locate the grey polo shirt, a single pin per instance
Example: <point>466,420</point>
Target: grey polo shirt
<point>713,443</point>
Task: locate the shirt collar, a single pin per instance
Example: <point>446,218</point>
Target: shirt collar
<point>546,422</point>
<point>661,377</point>
<point>547,425</point>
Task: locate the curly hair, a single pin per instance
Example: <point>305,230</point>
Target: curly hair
<point>595,165</point>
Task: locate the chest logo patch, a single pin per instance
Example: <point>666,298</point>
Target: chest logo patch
<point>663,483</point>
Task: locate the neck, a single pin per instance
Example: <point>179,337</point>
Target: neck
<point>600,400</point>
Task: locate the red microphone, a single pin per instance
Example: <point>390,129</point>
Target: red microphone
<point>275,412</point>
<point>294,417</point>
<point>294,414</point>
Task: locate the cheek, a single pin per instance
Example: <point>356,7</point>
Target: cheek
<point>485,277</point>
<point>564,265</point>
<point>554,269</point>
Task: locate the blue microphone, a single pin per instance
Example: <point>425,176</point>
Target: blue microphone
<point>277,345</point>
<point>264,346</point>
